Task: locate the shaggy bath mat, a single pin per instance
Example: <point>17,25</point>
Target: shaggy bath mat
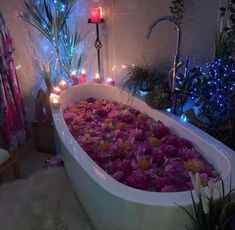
<point>45,201</point>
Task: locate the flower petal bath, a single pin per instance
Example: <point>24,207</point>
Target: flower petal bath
<point>133,148</point>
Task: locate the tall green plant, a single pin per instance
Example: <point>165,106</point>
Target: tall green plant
<point>50,18</point>
<point>69,42</point>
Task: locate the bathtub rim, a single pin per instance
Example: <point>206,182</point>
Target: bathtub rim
<point>120,190</point>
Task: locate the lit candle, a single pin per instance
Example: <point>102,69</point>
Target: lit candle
<point>74,77</point>
<point>54,99</point>
<point>109,82</point>
<point>83,77</point>
<point>56,90</point>
<point>96,79</point>
<point>63,85</point>
<point>96,15</point>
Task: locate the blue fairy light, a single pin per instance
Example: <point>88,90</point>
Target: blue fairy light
<point>183,118</point>
<point>62,8</point>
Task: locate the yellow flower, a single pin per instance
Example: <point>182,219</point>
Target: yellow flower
<point>154,142</point>
<point>126,145</point>
<point>144,165</point>
<point>104,146</point>
<point>141,117</point>
<point>194,165</point>
<point>120,125</point>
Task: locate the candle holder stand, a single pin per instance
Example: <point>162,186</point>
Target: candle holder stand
<point>97,44</point>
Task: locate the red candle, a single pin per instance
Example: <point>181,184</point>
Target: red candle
<point>96,79</point>
<point>74,77</point>
<point>63,85</point>
<point>56,90</point>
<point>109,82</point>
<point>96,15</point>
<point>83,77</point>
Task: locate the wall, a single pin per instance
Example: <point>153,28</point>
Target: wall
<point>123,36</point>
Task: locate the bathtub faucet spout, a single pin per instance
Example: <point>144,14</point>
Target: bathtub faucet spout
<point>176,64</point>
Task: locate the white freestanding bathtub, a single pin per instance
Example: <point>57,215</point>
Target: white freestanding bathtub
<point>112,205</point>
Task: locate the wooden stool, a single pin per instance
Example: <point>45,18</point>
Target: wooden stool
<point>13,162</point>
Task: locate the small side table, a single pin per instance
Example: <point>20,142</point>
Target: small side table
<point>13,162</point>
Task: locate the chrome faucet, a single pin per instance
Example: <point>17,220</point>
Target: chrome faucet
<point>177,62</point>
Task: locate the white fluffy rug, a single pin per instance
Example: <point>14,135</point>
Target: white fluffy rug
<point>45,201</point>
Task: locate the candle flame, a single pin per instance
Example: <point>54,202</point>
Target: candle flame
<point>54,99</point>
<point>63,82</point>
<point>83,71</point>
<point>109,79</point>
<point>74,72</point>
<point>97,76</point>
<point>57,89</point>
<point>101,12</point>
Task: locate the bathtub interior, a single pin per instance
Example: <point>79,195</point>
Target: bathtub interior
<point>206,145</point>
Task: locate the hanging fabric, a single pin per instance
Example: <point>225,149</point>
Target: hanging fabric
<point>12,114</point>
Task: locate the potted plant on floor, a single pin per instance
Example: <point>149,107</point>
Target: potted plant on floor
<point>146,81</point>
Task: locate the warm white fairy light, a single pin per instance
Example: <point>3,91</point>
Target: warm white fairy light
<point>18,67</point>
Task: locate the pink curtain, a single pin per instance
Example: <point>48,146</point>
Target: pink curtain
<point>12,117</point>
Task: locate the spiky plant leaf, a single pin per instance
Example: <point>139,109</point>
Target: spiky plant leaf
<point>142,77</point>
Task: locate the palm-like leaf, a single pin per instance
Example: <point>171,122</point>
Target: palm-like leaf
<point>142,77</point>
<point>70,42</point>
<point>48,18</point>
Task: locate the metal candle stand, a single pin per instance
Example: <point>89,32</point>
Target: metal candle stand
<point>97,43</point>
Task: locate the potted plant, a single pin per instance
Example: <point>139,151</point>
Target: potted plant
<point>145,79</point>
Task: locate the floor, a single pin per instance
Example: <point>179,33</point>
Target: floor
<point>29,165</point>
